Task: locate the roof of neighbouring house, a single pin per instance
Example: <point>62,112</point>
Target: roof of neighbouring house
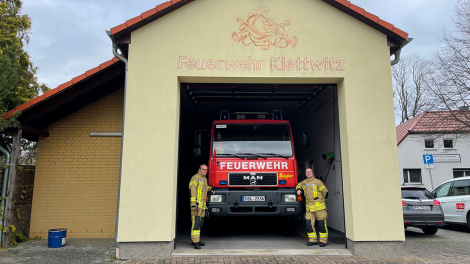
<point>433,122</point>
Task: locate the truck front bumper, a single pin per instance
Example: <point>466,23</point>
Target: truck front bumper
<point>274,205</point>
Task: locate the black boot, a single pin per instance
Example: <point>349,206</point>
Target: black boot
<point>322,244</point>
<point>196,246</point>
<point>311,243</point>
<point>200,243</point>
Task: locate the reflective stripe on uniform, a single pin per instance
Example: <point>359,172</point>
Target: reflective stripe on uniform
<point>193,199</point>
<point>193,183</point>
<point>321,188</point>
<point>317,207</point>
<point>312,234</point>
<point>315,194</point>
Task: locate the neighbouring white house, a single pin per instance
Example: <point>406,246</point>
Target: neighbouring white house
<point>435,133</point>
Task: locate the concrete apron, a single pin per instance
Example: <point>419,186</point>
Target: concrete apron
<point>261,252</point>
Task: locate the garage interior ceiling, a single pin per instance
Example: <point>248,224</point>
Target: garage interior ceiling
<point>290,95</point>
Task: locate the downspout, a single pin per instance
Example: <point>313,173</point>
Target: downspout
<point>124,60</point>
<point>4,186</point>
<point>398,52</point>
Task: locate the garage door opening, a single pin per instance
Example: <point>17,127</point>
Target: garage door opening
<point>312,111</point>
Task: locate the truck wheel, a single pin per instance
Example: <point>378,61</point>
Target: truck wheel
<point>430,230</point>
<point>289,227</point>
<point>213,227</point>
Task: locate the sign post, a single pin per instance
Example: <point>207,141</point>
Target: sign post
<point>429,165</point>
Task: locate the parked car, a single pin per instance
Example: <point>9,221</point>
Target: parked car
<point>421,210</point>
<point>454,196</point>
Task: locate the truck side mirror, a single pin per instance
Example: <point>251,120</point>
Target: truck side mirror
<point>198,139</point>
<point>197,152</point>
<point>305,140</point>
<point>197,144</point>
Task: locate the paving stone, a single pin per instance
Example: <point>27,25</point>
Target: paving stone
<point>449,245</point>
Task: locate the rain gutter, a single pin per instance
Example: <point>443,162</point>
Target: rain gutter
<point>4,186</point>
<point>398,52</point>
<point>124,60</point>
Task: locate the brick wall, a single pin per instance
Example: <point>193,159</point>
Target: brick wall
<point>23,198</point>
<point>76,182</point>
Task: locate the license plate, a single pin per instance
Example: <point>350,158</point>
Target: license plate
<point>253,198</point>
<point>420,207</point>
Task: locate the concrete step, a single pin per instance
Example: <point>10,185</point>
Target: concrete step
<point>261,252</point>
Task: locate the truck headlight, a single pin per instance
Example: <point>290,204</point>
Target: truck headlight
<point>291,198</point>
<point>216,198</point>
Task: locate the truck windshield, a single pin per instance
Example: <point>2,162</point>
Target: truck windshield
<point>272,139</point>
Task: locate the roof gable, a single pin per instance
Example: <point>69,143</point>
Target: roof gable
<point>122,31</point>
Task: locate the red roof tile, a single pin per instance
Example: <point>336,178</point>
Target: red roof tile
<point>106,64</point>
<point>23,106</point>
<point>37,99</point>
<point>432,122</point>
<point>162,6</point>
<point>50,93</point>
<point>147,13</point>
<point>78,78</point>
<point>344,2</point>
<point>9,114</point>
<point>60,88</point>
<point>118,28</point>
<point>372,17</point>
<point>357,9</point>
<point>385,24</point>
<point>64,85</point>
<point>134,20</point>
<point>400,33</point>
<point>347,4</point>
<point>92,71</point>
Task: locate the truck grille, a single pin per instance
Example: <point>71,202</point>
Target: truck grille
<point>252,179</point>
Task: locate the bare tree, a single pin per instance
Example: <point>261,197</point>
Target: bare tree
<point>410,91</point>
<point>450,82</point>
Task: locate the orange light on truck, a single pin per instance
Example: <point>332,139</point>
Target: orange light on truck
<point>299,198</point>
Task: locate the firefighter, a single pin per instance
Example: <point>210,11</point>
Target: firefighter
<point>315,194</point>
<point>199,189</point>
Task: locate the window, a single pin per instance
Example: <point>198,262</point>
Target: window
<point>416,194</point>
<point>249,138</point>
<point>448,143</point>
<point>461,187</point>
<point>429,143</point>
<point>412,175</point>
<point>461,173</point>
<point>443,190</point>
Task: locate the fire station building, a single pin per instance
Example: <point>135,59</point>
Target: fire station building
<point>115,144</point>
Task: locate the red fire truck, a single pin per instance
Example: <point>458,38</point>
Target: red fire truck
<point>252,166</point>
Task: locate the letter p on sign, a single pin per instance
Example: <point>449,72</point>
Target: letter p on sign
<point>428,159</point>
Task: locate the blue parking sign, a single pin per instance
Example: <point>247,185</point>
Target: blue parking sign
<point>428,159</point>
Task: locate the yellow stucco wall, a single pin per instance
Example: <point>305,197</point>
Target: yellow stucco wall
<point>76,180</point>
<point>203,30</point>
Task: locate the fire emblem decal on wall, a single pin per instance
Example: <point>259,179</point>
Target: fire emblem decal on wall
<point>263,31</point>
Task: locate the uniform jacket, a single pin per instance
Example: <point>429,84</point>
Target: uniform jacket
<point>315,194</point>
<point>199,188</point>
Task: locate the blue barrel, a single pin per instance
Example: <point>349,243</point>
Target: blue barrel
<point>57,237</point>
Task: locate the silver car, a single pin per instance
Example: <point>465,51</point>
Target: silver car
<point>421,210</point>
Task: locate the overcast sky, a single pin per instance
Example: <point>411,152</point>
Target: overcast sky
<point>68,36</point>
